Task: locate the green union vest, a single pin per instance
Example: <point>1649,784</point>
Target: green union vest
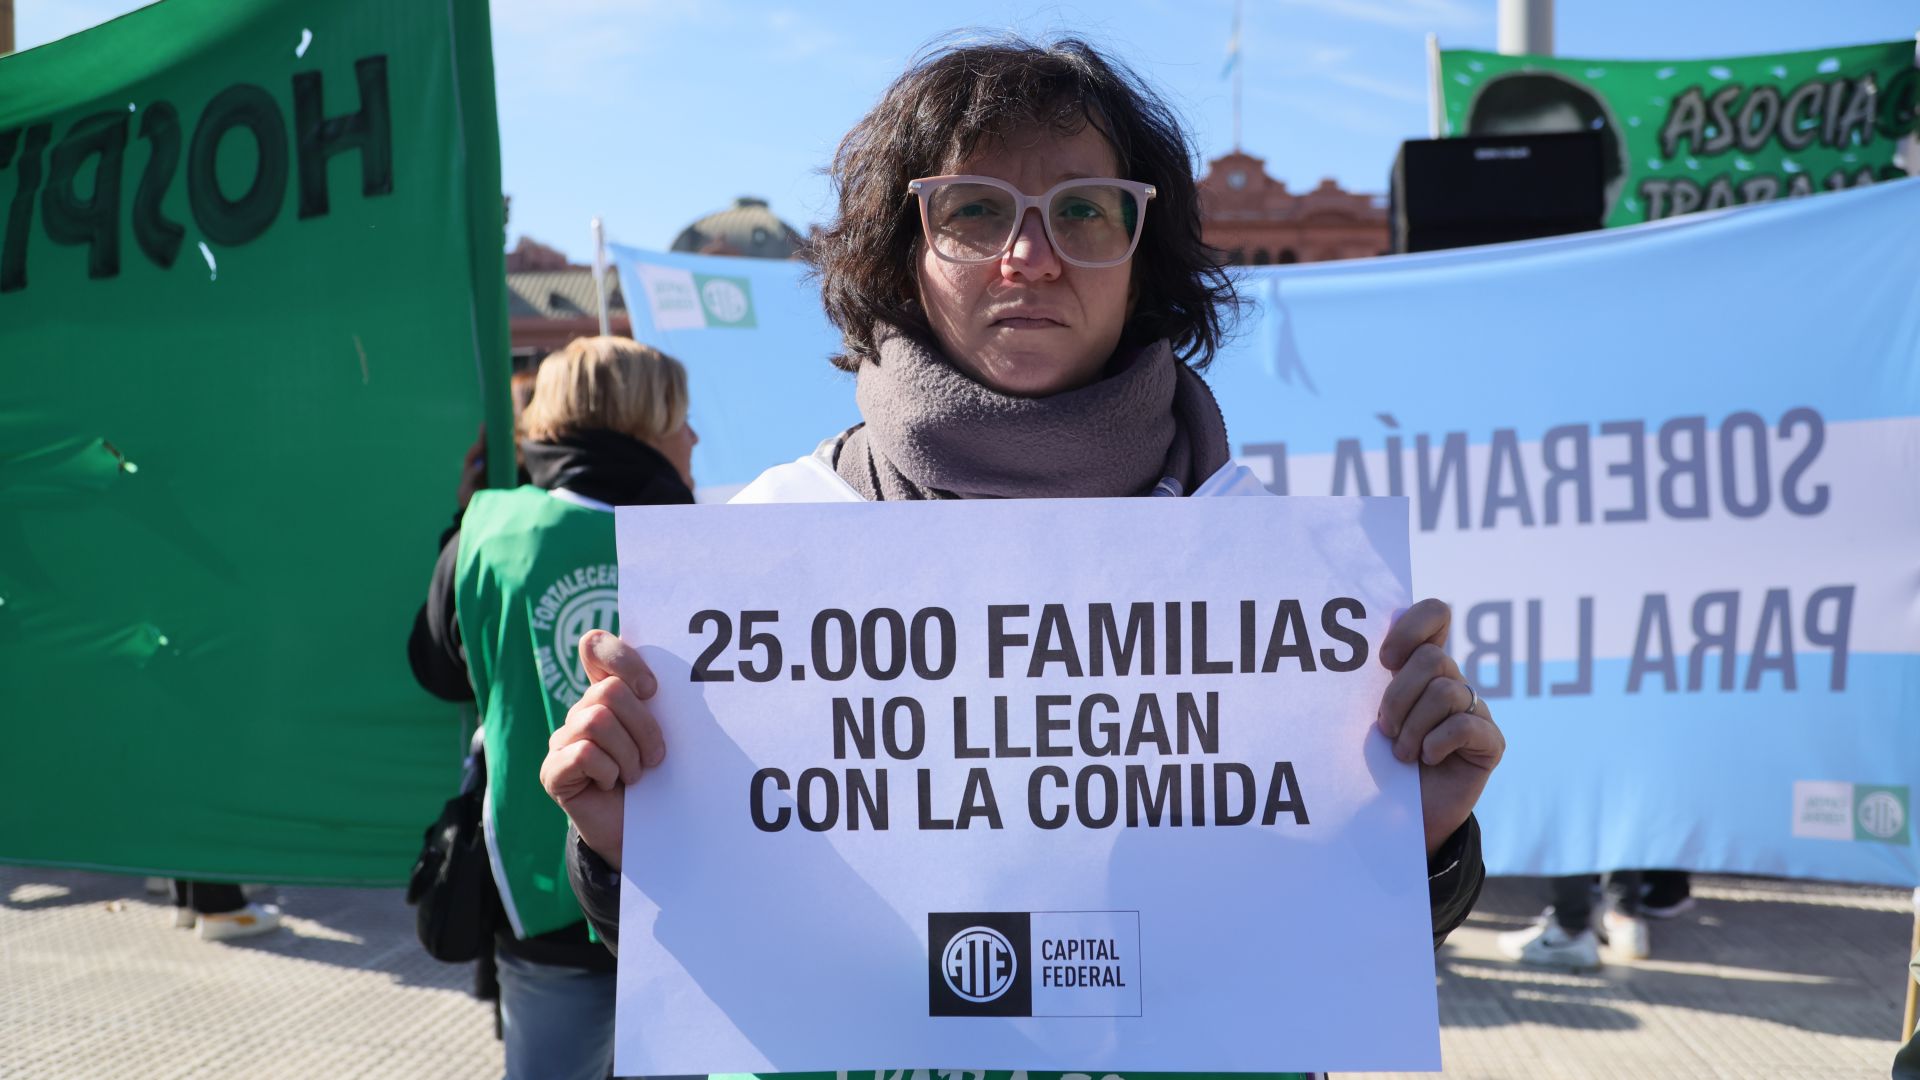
<point>533,573</point>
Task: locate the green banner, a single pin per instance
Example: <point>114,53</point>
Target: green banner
<point>1702,134</point>
<point>252,310</point>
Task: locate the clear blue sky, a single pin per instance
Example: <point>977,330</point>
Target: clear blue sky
<point>654,112</point>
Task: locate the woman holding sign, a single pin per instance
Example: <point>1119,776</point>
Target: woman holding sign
<point>1017,273</point>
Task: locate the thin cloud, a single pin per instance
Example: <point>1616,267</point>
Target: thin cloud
<point>1296,61</point>
<point>581,46</point>
<point>571,46</point>
<point>1422,15</point>
<point>1288,54</point>
<point>38,24</point>
<point>511,12</point>
<point>1339,112</point>
<point>577,35</point>
<point>800,36</point>
<point>1412,94</point>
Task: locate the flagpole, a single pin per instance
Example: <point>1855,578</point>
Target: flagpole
<point>600,274</point>
<point>1436,106</point>
<point>1913,169</point>
<point>1238,75</point>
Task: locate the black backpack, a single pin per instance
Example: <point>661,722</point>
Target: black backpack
<point>451,888</point>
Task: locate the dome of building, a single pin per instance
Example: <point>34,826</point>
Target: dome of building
<point>747,228</point>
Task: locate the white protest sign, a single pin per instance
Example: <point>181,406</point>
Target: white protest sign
<point>1054,785</point>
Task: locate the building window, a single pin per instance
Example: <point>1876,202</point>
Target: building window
<point>1260,257</point>
<point>1288,255</point>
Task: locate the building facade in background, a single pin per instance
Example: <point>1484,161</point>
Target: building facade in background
<point>1253,220</point>
<point>1250,217</point>
<point>551,301</point>
<point>749,227</point>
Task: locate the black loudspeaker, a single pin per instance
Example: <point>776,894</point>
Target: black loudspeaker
<point>1486,189</point>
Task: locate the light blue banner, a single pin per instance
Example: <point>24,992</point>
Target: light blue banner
<point>1668,476</point>
<point>761,395</point>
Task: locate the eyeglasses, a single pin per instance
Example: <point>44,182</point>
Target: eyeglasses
<point>1090,223</point>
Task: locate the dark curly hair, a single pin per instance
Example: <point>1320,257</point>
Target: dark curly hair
<point>932,118</point>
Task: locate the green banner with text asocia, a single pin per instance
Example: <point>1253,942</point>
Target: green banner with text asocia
<point>1702,134</point>
<point>251,312</point>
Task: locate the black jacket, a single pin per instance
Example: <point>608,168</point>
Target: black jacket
<point>602,465</point>
<point>612,468</point>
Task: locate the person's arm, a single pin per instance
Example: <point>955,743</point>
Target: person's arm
<point>596,884</point>
<point>1433,717</point>
<point>609,739</point>
<point>1455,874</point>
<point>433,650</point>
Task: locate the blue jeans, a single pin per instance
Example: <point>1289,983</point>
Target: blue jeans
<point>556,1021</point>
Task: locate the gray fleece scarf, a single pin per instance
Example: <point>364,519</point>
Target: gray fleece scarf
<point>1148,426</point>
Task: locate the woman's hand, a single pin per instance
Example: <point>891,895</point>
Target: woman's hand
<point>1433,717</point>
<point>609,738</point>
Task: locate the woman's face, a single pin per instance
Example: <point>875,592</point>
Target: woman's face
<point>1028,323</point>
<point>677,448</point>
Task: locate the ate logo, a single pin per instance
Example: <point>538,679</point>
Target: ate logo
<point>978,964</point>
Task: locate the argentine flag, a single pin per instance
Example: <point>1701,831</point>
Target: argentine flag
<point>1233,46</point>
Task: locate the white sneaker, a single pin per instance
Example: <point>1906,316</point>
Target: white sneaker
<point>158,886</point>
<point>1627,935</point>
<point>248,921</point>
<point>1548,945</point>
<point>183,918</point>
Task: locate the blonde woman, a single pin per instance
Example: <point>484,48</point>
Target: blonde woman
<point>528,572</point>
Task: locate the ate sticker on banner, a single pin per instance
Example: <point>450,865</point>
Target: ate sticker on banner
<point>1086,785</point>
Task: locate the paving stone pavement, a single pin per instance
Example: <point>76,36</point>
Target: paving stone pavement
<point>1762,979</point>
<point>96,982</point>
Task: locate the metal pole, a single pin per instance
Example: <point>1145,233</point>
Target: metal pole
<point>600,274</point>
<point>6,27</point>
<point>1238,74</point>
<point>1913,989</point>
<point>1913,169</point>
<point>1526,27</point>
<point>1436,107</point>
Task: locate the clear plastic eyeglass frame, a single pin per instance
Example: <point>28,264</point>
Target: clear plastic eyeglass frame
<point>927,185</point>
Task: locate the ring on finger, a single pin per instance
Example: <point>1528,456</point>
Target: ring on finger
<point>1473,697</point>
